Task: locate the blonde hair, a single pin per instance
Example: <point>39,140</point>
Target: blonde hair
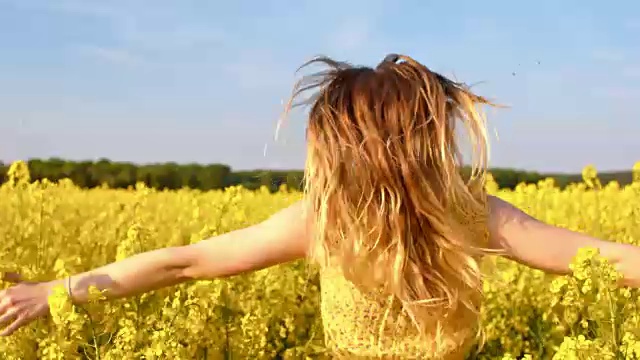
<point>383,177</point>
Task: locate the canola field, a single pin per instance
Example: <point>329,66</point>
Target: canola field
<point>52,230</point>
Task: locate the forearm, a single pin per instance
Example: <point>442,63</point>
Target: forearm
<point>552,249</point>
<point>135,275</point>
<point>281,238</point>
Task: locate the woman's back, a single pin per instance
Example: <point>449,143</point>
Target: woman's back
<point>368,323</point>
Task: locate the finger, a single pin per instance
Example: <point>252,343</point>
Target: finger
<point>20,321</point>
<point>8,316</point>
<point>6,302</point>
<point>11,277</point>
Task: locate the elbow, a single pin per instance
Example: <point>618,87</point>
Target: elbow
<point>186,265</point>
<point>538,245</point>
<point>199,262</point>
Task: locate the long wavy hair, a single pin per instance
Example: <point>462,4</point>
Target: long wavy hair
<point>383,178</point>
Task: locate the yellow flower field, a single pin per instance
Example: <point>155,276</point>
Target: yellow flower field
<point>52,230</point>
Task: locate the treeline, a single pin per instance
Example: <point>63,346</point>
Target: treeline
<point>89,174</point>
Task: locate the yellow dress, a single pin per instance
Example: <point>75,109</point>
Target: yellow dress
<point>370,325</point>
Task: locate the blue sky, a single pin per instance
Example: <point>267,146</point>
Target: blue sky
<point>204,81</point>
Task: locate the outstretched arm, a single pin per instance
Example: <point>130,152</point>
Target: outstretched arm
<point>551,248</point>
<point>279,239</point>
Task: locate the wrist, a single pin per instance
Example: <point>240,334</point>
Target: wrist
<point>65,283</point>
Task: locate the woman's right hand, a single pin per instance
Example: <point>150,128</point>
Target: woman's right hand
<point>22,303</point>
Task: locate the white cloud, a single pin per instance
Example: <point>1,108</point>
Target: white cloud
<point>632,71</point>
<point>354,28</point>
<point>257,69</point>
<point>608,55</point>
<point>351,34</point>
<point>112,55</point>
<point>100,9</point>
<point>632,24</point>
<point>169,38</point>
<point>137,25</point>
<point>625,93</point>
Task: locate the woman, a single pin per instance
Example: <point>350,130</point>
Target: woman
<point>396,230</point>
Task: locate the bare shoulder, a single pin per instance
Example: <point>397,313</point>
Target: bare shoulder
<point>295,214</point>
<point>281,238</point>
<point>507,223</point>
<point>502,212</point>
<point>290,225</point>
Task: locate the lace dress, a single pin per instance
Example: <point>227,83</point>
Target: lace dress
<point>371,325</point>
